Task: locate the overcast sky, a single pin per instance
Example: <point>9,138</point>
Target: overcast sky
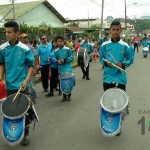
<point>77,9</point>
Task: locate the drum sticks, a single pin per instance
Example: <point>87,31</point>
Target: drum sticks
<point>113,59</point>
<point>114,65</point>
<point>17,93</point>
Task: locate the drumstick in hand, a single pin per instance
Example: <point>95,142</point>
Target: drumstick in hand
<point>114,59</point>
<point>17,93</point>
<point>114,65</point>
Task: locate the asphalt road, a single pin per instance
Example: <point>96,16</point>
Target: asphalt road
<point>74,125</point>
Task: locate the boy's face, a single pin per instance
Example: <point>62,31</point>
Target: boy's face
<point>115,31</point>
<point>11,35</point>
<point>60,43</point>
<point>86,38</point>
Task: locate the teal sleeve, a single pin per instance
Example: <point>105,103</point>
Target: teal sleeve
<point>29,59</point>
<point>129,56</point>
<point>101,54</point>
<point>37,52</point>
<point>70,58</point>
<point>91,48</point>
<point>2,57</point>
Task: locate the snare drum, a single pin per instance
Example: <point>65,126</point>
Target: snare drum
<point>83,57</point>
<point>67,81</point>
<point>113,108</point>
<point>13,120</point>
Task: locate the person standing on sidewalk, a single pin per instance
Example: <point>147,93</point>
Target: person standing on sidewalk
<point>42,53</point>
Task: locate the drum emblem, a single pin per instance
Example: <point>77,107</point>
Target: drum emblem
<point>13,127</point>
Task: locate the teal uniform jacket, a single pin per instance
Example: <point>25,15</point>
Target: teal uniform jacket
<point>145,43</point>
<point>64,53</point>
<point>101,41</point>
<point>122,53</point>
<point>43,52</point>
<point>16,59</point>
<point>53,60</point>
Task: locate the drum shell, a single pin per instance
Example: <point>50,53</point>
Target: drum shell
<point>67,81</point>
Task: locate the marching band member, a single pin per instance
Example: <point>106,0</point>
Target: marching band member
<point>89,47</point>
<point>16,60</point>
<point>64,58</point>
<point>119,53</point>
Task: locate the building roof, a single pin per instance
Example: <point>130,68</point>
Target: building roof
<point>79,20</point>
<point>22,8</point>
<point>75,29</point>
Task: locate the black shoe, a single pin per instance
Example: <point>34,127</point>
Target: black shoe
<point>45,90</point>
<point>87,78</point>
<point>69,98</point>
<point>49,94</point>
<point>64,99</point>
<point>83,77</point>
<point>60,93</point>
<point>56,89</point>
<point>118,134</point>
<point>26,140</point>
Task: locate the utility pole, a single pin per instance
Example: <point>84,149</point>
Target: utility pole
<point>88,19</point>
<point>101,29</point>
<point>125,6</point>
<point>13,3</point>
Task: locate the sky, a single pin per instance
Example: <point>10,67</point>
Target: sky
<point>79,9</point>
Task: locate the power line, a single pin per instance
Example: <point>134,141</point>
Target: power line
<point>93,1</point>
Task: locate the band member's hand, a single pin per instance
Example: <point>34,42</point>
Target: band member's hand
<point>59,61</point>
<point>108,64</point>
<point>62,60</point>
<point>34,72</point>
<point>24,85</point>
<point>119,65</point>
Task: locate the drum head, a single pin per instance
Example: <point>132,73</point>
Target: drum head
<point>145,49</point>
<point>66,74</point>
<point>114,100</point>
<point>16,108</point>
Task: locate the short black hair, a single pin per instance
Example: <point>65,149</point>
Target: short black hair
<point>116,23</point>
<point>85,35</point>
<point>60,37</point>
<point>42,36</point>
<point>12,24</point>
